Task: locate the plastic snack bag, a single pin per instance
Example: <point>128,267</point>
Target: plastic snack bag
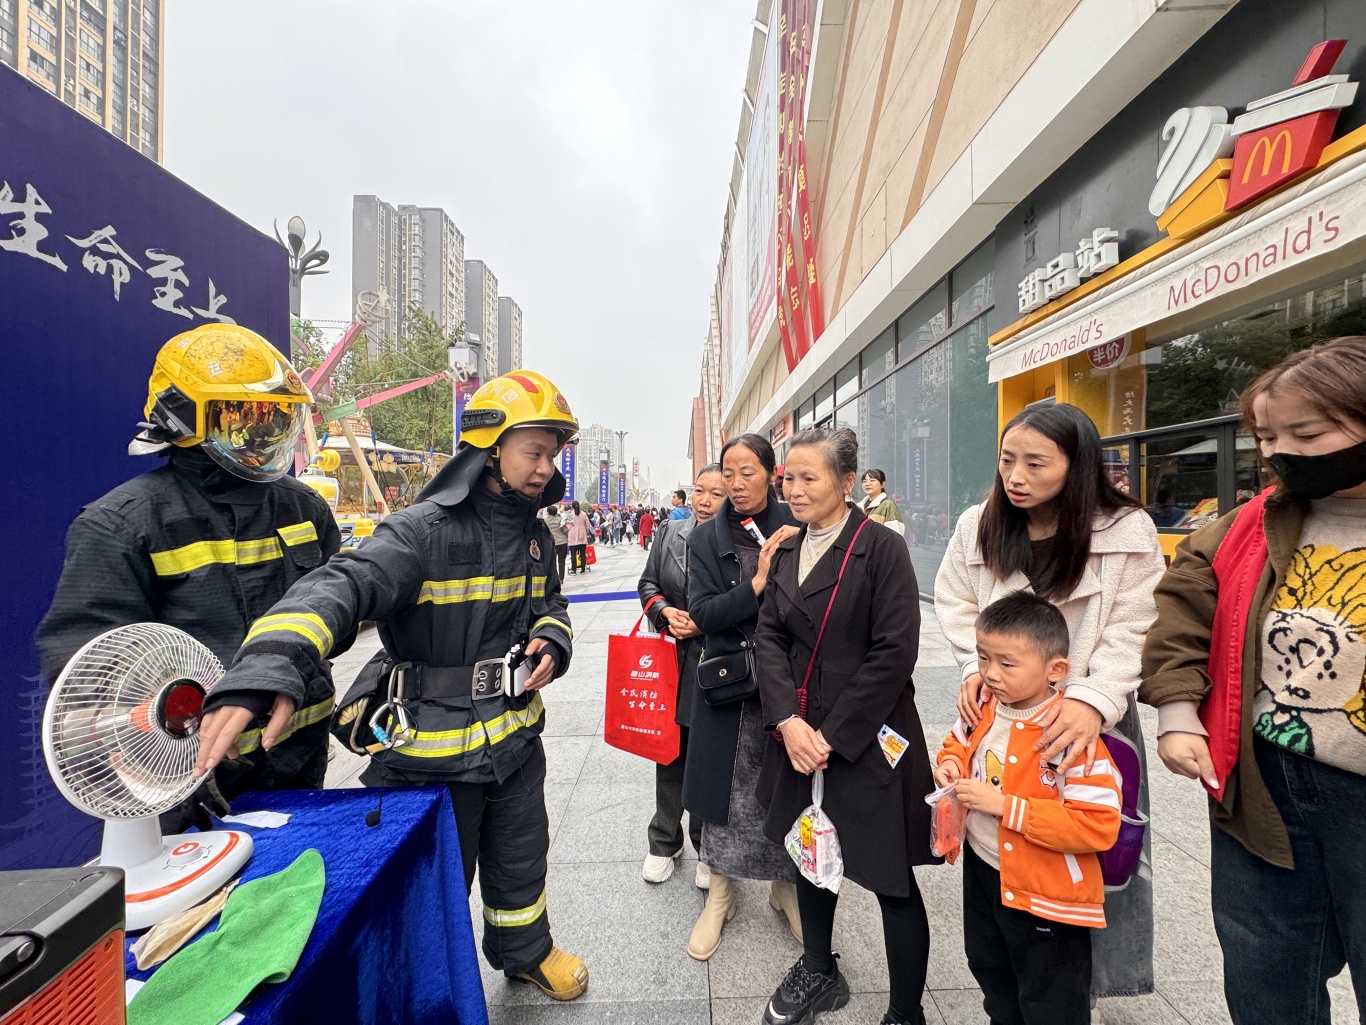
<point>947,823</point>
<point>813,843</point>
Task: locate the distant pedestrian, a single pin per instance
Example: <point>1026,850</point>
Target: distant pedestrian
<point>877,504</point>
<point>616,524</point>
<point>1056,526</point>
<point>577,537</point>
<point>664,595</point>
<point>555,521</point>
<point>729,576</point>
<point>1256,666</point>
<point>836,643</point>
<point>680,510</point>
<point>647,529</point>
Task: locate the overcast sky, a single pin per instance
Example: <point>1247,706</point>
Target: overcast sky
<point>583,148</point>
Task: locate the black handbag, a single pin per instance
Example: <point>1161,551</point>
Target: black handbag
<point>728,679</point>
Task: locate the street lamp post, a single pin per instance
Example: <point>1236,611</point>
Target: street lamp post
<point>302,262</point>
<point>621,445</point>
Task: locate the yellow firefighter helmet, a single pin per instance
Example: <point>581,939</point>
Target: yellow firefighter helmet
<point>522,398</point>
<point>229,390</point>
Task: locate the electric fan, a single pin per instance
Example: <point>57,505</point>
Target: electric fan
<point>121,734</point>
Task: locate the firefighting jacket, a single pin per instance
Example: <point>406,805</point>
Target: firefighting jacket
<point>1052,828</point>
<point>195,547</point>
<point>456,578</point>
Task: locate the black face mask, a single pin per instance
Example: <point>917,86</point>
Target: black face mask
<point>1315,477</point>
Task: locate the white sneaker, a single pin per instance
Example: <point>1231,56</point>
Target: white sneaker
<point>657,869</point>
<point>702,878</point>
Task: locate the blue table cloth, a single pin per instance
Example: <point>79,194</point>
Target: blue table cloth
<point>393,941</point>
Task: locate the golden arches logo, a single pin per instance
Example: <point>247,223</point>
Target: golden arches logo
<point>1270,154</point>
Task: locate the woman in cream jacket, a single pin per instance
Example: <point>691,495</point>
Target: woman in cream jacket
<point>1054,525</point>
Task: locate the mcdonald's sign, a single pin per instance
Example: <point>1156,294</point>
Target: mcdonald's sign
<point>1269,158</point>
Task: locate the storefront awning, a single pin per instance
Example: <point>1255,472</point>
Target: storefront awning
<point>1305,222</point>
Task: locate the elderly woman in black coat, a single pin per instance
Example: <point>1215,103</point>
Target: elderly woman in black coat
<point>663,592</point>
<point>728,560</point>
<point>857,723</point>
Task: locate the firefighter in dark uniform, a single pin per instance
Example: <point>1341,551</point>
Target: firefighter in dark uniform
<point>455,583</point>
<point>208,543</point>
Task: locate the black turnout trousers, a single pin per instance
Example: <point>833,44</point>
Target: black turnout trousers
<point>505,828</point>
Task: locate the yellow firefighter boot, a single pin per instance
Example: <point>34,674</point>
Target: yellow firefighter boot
<point>783,897</point>
<point>561,976</point>
<point>719,909</point>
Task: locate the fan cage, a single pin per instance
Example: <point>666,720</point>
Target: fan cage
<point>105,746</point>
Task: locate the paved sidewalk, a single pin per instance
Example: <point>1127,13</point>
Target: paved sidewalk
<point>633,934</point>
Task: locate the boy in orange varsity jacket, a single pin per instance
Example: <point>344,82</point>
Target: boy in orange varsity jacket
<point>1032,884</point>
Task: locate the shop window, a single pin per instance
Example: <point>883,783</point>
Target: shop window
<point>921,471</point>
<point>1180,479</point>
<point>972,284</point>
<point>1201,375</point>
<point>846,381</point>
<point>923,324</point>
<point>825,401</point>
<point>847,416</point>
<point>879,357</point>
<point>806,415</point>
<point>972,416</point>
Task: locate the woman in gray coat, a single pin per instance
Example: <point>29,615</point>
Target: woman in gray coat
<point>664,595</point>
<point>728,559</point>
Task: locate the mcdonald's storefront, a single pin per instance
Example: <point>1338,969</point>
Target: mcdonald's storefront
<point>1216,225</point>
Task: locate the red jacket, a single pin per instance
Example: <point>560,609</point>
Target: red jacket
<point>1048,839</point>
<point>647,525</point>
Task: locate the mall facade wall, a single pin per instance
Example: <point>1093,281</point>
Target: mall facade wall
<point>957,155</point>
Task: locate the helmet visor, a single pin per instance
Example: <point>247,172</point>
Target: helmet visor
<point>254,440</point>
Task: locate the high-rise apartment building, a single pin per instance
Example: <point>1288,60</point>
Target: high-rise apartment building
<point>432,265</point>
<point>481,314</point>
<point>102,57</point>
<point>594,440</point>
<point>509,334</point>
<point>412,254</point>
<point>376,244</point>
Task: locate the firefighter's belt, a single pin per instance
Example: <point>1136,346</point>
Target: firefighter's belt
<point>419,682</point>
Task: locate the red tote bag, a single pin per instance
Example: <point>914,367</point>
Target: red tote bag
<point>642,690</point>
<point>590,556</point>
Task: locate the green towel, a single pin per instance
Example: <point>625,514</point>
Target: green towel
<point>259,939</point>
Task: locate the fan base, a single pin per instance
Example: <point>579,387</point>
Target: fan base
<point>187,870</point>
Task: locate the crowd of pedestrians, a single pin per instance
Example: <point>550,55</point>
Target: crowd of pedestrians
<point>798,625</point>
<point>576,527</point>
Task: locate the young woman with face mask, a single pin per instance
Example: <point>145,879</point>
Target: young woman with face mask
<point>1256,664</point>
<point>1055,525</point>
<point>729,562</point>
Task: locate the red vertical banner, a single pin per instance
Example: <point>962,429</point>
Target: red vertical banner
<point>801,318</point>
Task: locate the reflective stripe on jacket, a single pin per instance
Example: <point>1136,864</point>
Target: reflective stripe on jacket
<point>194,547</point>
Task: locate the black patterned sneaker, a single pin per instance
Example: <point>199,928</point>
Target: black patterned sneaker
<point>803,994</point>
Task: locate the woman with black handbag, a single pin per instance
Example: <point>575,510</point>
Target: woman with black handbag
<point>729,558</point>
<point>663,589</point>
<point>837,641</point>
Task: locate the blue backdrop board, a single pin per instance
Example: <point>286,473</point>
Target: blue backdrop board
<point>104,256</point>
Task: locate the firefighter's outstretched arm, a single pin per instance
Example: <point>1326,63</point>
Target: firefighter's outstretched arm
<point>287,645</point>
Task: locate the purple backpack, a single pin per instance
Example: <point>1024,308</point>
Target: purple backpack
<point>1120,863</point>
